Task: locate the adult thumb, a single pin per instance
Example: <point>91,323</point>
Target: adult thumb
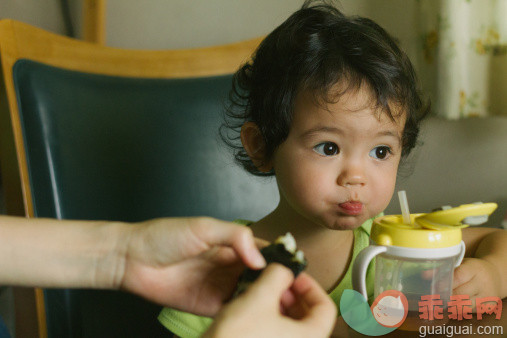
<point>271,284</point>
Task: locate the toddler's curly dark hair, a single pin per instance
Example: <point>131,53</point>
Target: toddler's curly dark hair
<point>316,48</point>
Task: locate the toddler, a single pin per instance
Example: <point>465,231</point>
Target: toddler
<point>329,105</point>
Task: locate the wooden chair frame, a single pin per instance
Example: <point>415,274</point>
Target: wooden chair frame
<point>22,41</point>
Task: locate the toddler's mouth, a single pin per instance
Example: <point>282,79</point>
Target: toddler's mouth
<point>352,207</point>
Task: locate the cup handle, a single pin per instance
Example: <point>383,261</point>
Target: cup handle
<point>361,264</point>
<point>461,254</point>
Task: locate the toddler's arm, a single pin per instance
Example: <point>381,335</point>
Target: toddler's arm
<point>484,272</point>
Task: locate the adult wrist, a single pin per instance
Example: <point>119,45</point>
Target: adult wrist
<point>112,258</point>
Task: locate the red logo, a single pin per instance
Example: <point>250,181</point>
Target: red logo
<point>390,308</point>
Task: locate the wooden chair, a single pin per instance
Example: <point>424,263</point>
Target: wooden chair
<point>94,132</point>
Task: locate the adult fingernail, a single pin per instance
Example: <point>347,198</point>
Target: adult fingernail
<point>258,260</point>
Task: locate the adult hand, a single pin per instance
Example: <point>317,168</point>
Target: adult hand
<point>191,264</point>
<point>276,305</point>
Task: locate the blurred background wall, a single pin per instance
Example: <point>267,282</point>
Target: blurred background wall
<point>458,47</point>
<point>162,24</point>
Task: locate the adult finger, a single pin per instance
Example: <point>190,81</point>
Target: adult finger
<point>321,311</point>
<point>288,300</point>
<point>240,238</point>
<point>261,243</point>
<point>271,284</point>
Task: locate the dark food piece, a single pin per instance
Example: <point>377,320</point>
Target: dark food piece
<point>283,251</point>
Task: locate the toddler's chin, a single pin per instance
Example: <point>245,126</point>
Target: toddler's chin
<point>347,223</point>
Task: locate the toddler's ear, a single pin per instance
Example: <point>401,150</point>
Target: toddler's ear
<point>255,147</point>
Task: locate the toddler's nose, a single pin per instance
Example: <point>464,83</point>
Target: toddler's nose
<point>352,175</point>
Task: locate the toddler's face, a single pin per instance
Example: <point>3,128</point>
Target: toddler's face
<point>338,166</point>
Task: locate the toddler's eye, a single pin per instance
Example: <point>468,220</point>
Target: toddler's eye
<point>327,149</point>
<point>380,152</point>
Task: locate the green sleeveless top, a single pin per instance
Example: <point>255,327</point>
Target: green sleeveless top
<point>187,325</point>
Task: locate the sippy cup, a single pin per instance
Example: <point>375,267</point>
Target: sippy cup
<point>416,254</point>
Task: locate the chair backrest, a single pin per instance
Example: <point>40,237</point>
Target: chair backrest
<point>103,133</point>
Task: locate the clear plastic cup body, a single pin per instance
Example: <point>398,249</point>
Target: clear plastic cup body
<point>415,277</point>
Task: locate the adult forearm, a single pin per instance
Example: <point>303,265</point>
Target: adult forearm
<point>50,253</point>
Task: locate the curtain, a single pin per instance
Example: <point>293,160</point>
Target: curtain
<point>463,53</point>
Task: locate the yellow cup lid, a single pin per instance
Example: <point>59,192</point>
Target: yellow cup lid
<point>439,229</point>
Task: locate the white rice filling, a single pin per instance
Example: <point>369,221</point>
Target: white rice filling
<point>288,242</point>
<point>299,256</point>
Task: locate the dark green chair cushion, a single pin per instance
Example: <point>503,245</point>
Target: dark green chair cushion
<point>116,148</point>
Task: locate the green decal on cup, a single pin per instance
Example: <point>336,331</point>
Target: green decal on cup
<point>386,314</point>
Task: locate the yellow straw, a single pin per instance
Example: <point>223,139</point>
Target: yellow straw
<point>402,196</point>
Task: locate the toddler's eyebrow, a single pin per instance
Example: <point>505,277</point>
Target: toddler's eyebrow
<point>321,129</point>
<point>390,133</point>
<point>334,130</point>
<point>324,129</point>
